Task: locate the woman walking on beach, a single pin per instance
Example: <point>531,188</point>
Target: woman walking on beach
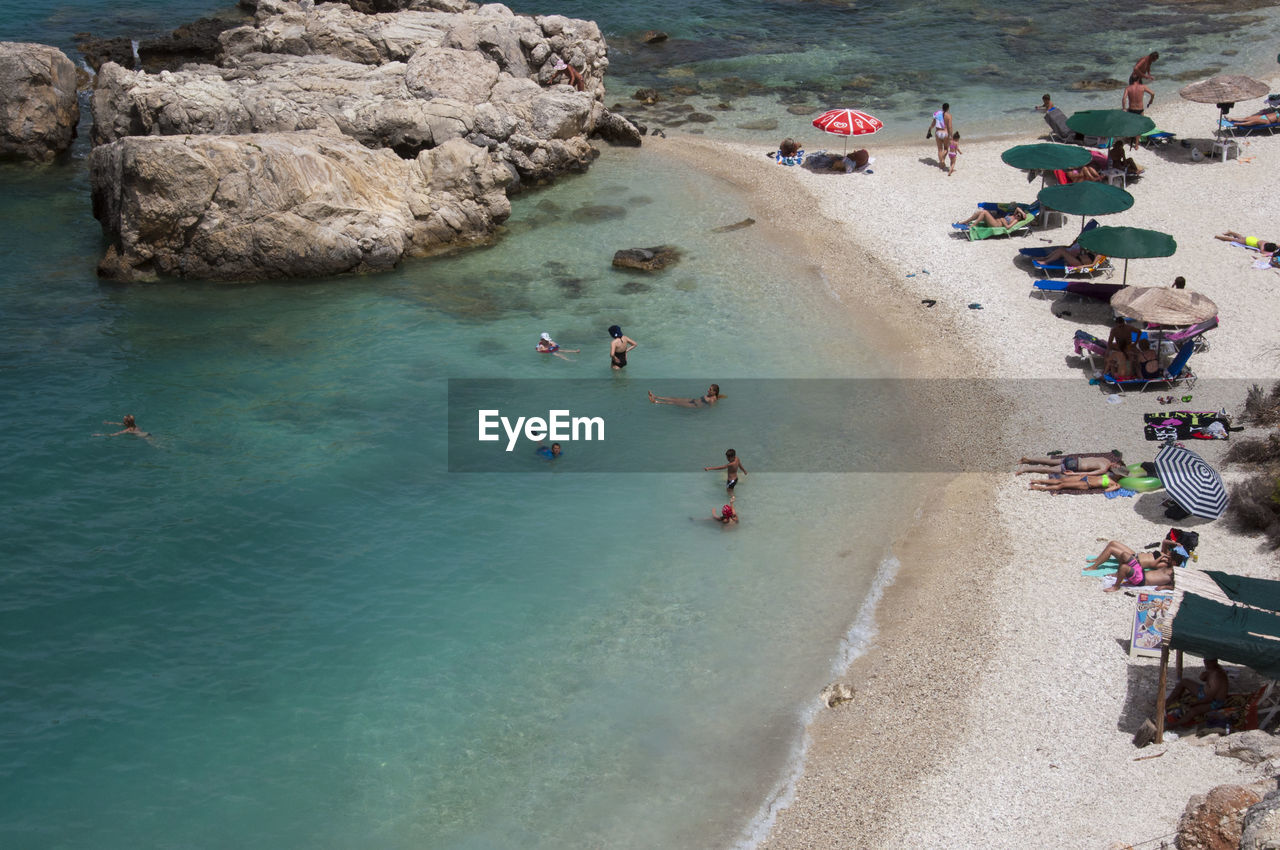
<point>940,129</point>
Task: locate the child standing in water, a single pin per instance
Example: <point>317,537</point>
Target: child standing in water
<point>732,468</point>
<point>953,150</point>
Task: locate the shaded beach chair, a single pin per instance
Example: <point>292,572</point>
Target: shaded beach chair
<point>1100,264</point>
<point>1081,288</point>
<point>1037,253</point>
<point>1177,372</point>
<point>1195,333</point>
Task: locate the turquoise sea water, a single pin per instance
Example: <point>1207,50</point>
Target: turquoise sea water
<point>280,622</point>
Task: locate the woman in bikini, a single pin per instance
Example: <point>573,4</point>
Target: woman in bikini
<point>1268,116</point>
<point>984,217</point>
<point>711,397</point>
<point>1146,363</point>
<point>1137,568</point>
<point>1078,481</point>
<point>1072,255</point>
<point>619,347</point>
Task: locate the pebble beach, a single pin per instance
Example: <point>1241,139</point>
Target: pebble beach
<point>997,703</point>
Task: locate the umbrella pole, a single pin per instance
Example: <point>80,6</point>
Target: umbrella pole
<point>1124,279</point>
<point>1160,704</point>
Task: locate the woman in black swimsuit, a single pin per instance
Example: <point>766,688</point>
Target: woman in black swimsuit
<point>712,396</point>
<point>619,347</point>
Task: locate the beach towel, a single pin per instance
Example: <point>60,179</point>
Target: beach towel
<point>1239,711</point>
<point>1107,568</point>
<point>1185,425</point>
<point>979,231</point>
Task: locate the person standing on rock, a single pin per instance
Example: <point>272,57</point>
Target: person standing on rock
<point>619,347</point>
<point>940,129</point>
<point>575,79</point>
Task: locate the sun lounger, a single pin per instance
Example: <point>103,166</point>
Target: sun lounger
<point>1058,129</point>
<point>1083,288</point>
<point>1100,264</point>
<point>981,231</point>
<point>1177,372</point>
<point>1227,127</point>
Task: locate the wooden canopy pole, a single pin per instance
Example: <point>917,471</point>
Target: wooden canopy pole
<point>1164,681</point>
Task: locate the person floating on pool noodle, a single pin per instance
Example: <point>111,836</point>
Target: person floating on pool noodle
<point>732,467</point>
<point>711,397</point>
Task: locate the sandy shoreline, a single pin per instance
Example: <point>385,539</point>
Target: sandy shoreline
<point>996,705</point>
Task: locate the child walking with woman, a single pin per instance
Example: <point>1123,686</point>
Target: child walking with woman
<point>953,150</point>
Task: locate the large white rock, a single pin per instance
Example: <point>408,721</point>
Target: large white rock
<point>285,204</point>
<point>38,107</point>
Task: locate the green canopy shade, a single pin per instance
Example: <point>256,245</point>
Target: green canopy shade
<point>1046,157</point>
<point>1086,199</point>
<point>1129,243</point>
<point>1110,123</point>
<point>1231,633</point>
<point>1258,592</point>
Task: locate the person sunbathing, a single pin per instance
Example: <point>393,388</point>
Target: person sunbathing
<point>1072,255</point>
<point>1137,568</point>
<point>1146,362</point>
<point>1249,241</point>
<point>1077,481</point>
<point>1119,360</point>
<point>1072,464</point>
<point>1270,115</point>
<point>1085,173</point>
<point>987,219</point>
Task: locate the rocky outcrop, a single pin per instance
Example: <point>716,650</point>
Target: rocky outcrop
<point>38,107</point>
<point>1252,746</point>
<point>285,204</point>
<point>1262,824</point>
<point>1214,821</point>
<point>406,84</point>
<point>647,259</point>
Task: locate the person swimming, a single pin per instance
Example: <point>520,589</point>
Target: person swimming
<point>547,345</point>
<point>711,397</point>
<point>130,427</point>
<point>619,347</point>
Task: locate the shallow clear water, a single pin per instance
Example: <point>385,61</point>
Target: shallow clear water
<point>281,622</point>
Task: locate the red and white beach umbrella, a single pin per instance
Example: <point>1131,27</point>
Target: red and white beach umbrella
<point>847,122</point>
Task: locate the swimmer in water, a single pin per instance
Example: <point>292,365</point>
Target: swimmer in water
<point>547,345</point>
<point>732,467</point>
<point>725,516</point>
<point>711,397</point>
<point>549,452</point>
<point>130,427</point>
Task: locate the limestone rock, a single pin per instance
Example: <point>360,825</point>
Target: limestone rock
<point>836,693</point>
<point>1214,821</point>
<point>653,36</point>
<point>614,128</point>
<point>1262,825</point>
<point>1252,747</point>
<point>38,107</point>
<point>647,259</point>
<point>285,204</point>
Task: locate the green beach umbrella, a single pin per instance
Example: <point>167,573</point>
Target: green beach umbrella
<point>1084,199</point>
<point>1110,123</point>
<point>1046,157</point>
<point>1128,243</point>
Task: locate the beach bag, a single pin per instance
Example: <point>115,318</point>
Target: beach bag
<point>1188,540</point>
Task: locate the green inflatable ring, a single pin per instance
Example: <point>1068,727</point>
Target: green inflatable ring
<point>1138,481</point>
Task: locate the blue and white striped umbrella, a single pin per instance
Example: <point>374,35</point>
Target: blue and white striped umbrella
<point>1193,483</point>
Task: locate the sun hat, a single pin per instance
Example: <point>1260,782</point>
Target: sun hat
<point>546,336</point>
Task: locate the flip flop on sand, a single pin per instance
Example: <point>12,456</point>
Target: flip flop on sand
<point>928,302</point>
